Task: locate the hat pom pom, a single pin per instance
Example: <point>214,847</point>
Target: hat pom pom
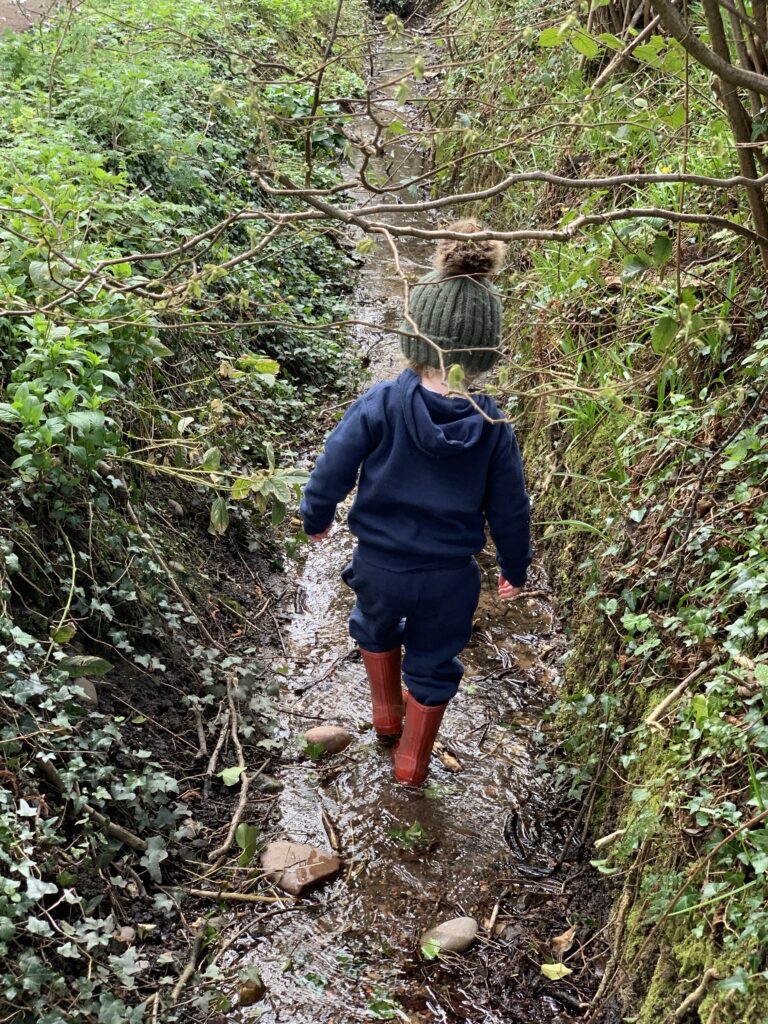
<point>466,256</point>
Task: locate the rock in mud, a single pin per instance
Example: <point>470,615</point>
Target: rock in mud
<point>332,737</point>
<point>453,936</point>
<point>297,868</point>
<point>269,784</point>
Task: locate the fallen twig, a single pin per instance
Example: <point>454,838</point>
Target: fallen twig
<point>215,755</point>
<point>203,748</point>
<point>652,719</point>
<point>245,780</point>
<point>234,897</point>
<point>191,966</point>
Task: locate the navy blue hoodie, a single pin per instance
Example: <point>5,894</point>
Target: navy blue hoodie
<point>432,471</point>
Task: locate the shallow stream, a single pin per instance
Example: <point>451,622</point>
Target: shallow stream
<point>489,833</point>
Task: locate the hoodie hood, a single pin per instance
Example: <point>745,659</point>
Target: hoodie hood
<point>437,425</point>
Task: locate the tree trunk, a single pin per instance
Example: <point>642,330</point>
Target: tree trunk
<point>740,123</point>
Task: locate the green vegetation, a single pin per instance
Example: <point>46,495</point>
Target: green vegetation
<point>638,379</point>
<point>153,364</point>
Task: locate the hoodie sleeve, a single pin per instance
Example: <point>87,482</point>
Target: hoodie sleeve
<point>335,472</point>
<point>507,508</point>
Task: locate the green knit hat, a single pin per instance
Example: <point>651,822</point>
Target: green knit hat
<point>456,306</point>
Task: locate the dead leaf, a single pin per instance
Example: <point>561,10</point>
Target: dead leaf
<point>448,761</point>
<point>562,943</point>
<point>555,972</point>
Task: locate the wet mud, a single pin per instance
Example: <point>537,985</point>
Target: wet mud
<point>484,838</point>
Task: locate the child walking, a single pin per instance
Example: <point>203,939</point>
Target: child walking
<point>431,469</point>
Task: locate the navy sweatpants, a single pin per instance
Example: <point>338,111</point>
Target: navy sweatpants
<point>429,612</point>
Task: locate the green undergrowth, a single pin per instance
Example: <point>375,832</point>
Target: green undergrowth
<point>637,379</point>
<point>150,373</point>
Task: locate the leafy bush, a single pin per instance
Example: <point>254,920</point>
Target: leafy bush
<point>142,370</point>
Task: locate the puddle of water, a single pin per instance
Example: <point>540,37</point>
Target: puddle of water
<point>488,837</point>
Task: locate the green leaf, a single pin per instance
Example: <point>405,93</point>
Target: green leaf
<point>585,44</point>
<point>231,776</point>
<point>675,118</point>
<point>241,488</point>
<point>84,665</point>
<point>278,513</point>
<point>64,633</point>
<point>635,264</point>
<point>86,419</point>
<point>219,517</point>
<point>555,971</point>
<point>662,249</point>
<point>610,40</point>
<point>551,37</point>
<point>211,460</point>
<point>40,276</point>
<point>663,334</point>
<point>154,855</point>
<point>259,364</point>
<point>456,377</point>
<point>247,838</point>
<point>157,349</point>
<point>430,950</point>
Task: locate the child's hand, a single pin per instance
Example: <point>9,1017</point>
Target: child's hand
<point>318,538</point>
<point>506,591</point>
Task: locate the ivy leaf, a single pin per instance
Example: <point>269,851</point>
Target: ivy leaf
<point>85,665</point>
<point>153,857</point>
<point>231,776</point>
<point>247,838</point>
<point>36,888</point>
<point>555,972</point>
<point>219,517</point>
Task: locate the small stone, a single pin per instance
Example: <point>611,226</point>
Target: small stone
<point>296,868</point>
<point>89,697</point>
<point>176,508</point>
<point>332,737</point>
<point>125,934</point>
<point>453,936</point>
<point>268,784</point>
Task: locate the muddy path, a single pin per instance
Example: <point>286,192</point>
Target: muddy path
<point>19,15</point>
<point>485,833</point>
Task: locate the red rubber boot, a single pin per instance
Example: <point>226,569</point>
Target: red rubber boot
<point>386,690</point>
<point>411,755</point>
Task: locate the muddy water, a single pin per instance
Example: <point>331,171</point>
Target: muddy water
<point>488,837</point>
